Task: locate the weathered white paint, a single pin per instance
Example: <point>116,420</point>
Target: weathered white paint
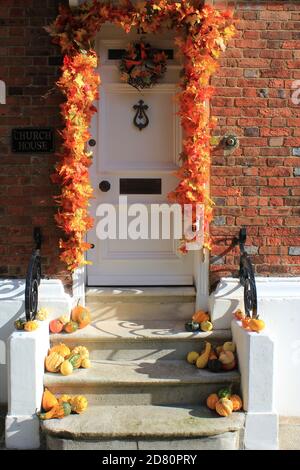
<point>26,355</point>
<point>201,278</point>
<point>51,295</point>
<point>256,363</point>
<point>2,92</point>
<point>79,282</point>
<point>278,305</point>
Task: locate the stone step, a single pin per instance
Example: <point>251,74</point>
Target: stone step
<point>141,382</point>
<point>141,303</point>
<point>145,428</point>
<point>117,340</point>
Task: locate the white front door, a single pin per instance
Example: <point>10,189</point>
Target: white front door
<point>137,164</point>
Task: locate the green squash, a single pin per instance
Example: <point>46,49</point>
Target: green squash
<point>192,326</point>
<point>224,393</point>
<point>75,360</point>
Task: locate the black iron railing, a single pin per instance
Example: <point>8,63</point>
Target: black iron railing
<point>247,277</point>
<point>33,277</point>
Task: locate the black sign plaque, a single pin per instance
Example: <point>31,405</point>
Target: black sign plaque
<point>32,140</point>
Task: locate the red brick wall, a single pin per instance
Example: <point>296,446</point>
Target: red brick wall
<point>29,66</point>
<point>258,184</point>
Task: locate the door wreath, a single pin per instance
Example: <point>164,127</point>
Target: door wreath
<point>142,65</point>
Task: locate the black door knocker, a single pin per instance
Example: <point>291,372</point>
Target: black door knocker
<point>141,119</point>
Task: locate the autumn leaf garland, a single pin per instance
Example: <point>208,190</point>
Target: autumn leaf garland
<point>80,84</point>
<point>201,35</point>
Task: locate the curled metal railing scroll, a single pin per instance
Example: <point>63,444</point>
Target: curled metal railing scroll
<point>247,277</point>
<point>33,277</point>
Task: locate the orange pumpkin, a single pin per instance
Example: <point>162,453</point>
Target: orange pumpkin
<point>212,401</point>
<point>71,326</point>
<point>55,326</point>
<point>61,349</point>
<point>245,323</point>
<point>239,315</point>
<point>200,316</point>
<point>256,324</point>
<point>77,311</point>
<point>84,319</point>
<point>224,407</point>
<point>236,402</point>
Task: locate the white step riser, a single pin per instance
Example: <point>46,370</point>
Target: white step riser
<point>110,395</point>
<point>139,311</point>
<point>119,350</point>
<point>226,441</point>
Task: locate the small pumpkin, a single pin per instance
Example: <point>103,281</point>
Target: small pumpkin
<point>82,350</point>
<point>229,346</point>
<point>58,411</point>
<point>200,316</point>
<point>84,319</point>
<point>192,326</point>
<point>224,393</point>
<point>55,326</point>
<point>226,357</point>
<point>86,363</point>
<point>219,349</point>
<point>71,327</point>
<point>239,315</point>
<point>48,400</point>
<point>75,360</point>
<point>246,322</point>
<point>212,400</point>
<point>237,402</point>
<point>61,349</point>
<point>42,314</point>
<point>53,362</point>
<point>192,357</point>
<point>79,404</point>
<point>224,407</point>
<point>256,324</point>
<point>66,368</point>
<point>31,325</point>
<point>78,311</point>
<point>206,326</point>
<point>19,324</point>
<point>214,365</point>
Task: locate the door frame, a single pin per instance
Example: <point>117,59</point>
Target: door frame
<point>201,257</point>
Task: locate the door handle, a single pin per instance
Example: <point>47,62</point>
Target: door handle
<point>104,186</point>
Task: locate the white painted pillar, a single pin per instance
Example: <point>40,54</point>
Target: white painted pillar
<point>26,356</point>
<point>256,359</point>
